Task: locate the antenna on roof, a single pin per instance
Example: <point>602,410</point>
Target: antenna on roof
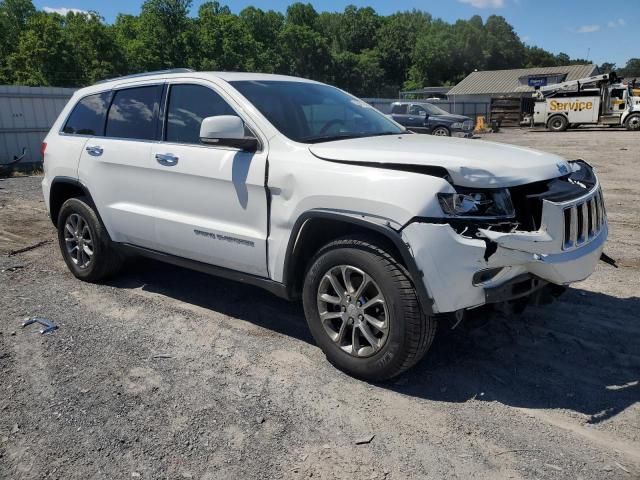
<point>144,74</point>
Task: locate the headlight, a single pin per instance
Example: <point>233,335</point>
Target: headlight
<point>456,125</point>
<point>470,204</point>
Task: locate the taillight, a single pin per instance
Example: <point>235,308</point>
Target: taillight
<point>43,147</point>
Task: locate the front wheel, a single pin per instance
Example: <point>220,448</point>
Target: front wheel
<point>363,312</point>
<point>632,122</point>
<point>441,132</point>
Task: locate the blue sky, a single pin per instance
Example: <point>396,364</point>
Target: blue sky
<point>602,30</point>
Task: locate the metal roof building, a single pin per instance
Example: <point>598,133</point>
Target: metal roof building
<point>518,81</point>
<point>507,94</point>
<point>26,115</point>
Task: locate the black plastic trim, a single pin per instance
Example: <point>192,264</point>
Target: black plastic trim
<point>518,287</point>
<point>272,286</point>
<point>69,181</point>
<point>426,302</point>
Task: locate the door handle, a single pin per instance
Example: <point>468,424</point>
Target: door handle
<point>94,150</point>
<point>166,159</point>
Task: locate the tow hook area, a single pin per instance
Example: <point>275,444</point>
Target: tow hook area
<point>514,295</point>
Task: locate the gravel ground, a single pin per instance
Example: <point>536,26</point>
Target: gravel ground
<point>168,373</point>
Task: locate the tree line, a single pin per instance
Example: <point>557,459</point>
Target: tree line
<point>357,49</point>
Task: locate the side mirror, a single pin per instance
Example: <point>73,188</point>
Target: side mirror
<point>227,131</point>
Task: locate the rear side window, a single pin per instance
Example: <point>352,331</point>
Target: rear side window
<point>399,109</point>
<point>133,113</point>
<point>87,117</point>
<point>188,106</point>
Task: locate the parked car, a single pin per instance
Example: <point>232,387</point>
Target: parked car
<point>429,118</point>
<point>307,191</point>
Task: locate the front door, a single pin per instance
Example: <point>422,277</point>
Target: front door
<point>211,202</point>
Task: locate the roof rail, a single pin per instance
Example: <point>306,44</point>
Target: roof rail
<point>144,74</point>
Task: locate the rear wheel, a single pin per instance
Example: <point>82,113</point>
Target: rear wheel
<point>441,132</point>
<point>558,123</point>
<point>363,312</point>
<point>632,122</point>
<point>84,242</point>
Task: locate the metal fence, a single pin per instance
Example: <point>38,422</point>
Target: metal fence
<point>26,115</point>
<point>470,109</point>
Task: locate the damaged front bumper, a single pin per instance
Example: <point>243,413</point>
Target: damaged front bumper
<point>460,271</point>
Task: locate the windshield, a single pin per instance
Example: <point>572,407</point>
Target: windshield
<point>433,110</point>
<point>312,112</point>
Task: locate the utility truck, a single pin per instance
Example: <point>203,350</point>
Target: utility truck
<point>597,100</point>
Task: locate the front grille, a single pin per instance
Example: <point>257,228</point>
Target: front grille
<point>467,125</point>
<point>583,220</point>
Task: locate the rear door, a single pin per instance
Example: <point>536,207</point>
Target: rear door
<point>399,112</point>
<point>210,201</point>
<point>115,167</point>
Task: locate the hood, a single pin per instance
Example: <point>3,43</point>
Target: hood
<point>470,163</point>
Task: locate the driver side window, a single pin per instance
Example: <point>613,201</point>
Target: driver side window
<point>187,106</point>
<point>417,110</point>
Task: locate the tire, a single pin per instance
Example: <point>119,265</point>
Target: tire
<point>632,123</point>
<point>406,332</point>
<point>441,132</point>
<point>557,123</point>
<point>97,259</point>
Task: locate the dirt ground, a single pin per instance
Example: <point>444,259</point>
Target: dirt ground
<point>168,373</point>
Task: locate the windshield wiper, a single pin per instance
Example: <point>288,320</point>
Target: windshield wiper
<point>388,133</point>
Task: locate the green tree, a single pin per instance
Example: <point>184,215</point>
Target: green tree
<point>43,55</point>
<point>607,67</point>
<point>305,52</point>
<point>224,41</point>
<point>395,42</point>
<point>358,73</point>
<point>302,15</point>
<point>14,15</point>
<point>631,69</point>
<point>163,31</point>
<point>93,48</point>
<point>356,30</point>
<point>538,57</point>
<point>433,56</point>
<point>503,48</point>
<point>264,27</point>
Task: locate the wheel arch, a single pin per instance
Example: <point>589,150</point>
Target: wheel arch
<point>62,189</point>
<point>315,228</point>
<point>442,125</point>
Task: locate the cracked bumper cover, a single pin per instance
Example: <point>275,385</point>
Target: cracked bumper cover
<point>448,261</point>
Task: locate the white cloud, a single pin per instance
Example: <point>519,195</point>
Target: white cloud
<point>484,3</point>
<point>620,22</point>
<point>588,28</point>
<point>64,10</point>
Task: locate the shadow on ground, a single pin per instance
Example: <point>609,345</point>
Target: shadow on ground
<point>234,299</point>
<point>580,353</point>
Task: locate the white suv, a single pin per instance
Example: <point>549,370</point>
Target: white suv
<point>307,191</point>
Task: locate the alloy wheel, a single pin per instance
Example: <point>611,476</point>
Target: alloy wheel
<point>78,240</point>
<point>353,310</point>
